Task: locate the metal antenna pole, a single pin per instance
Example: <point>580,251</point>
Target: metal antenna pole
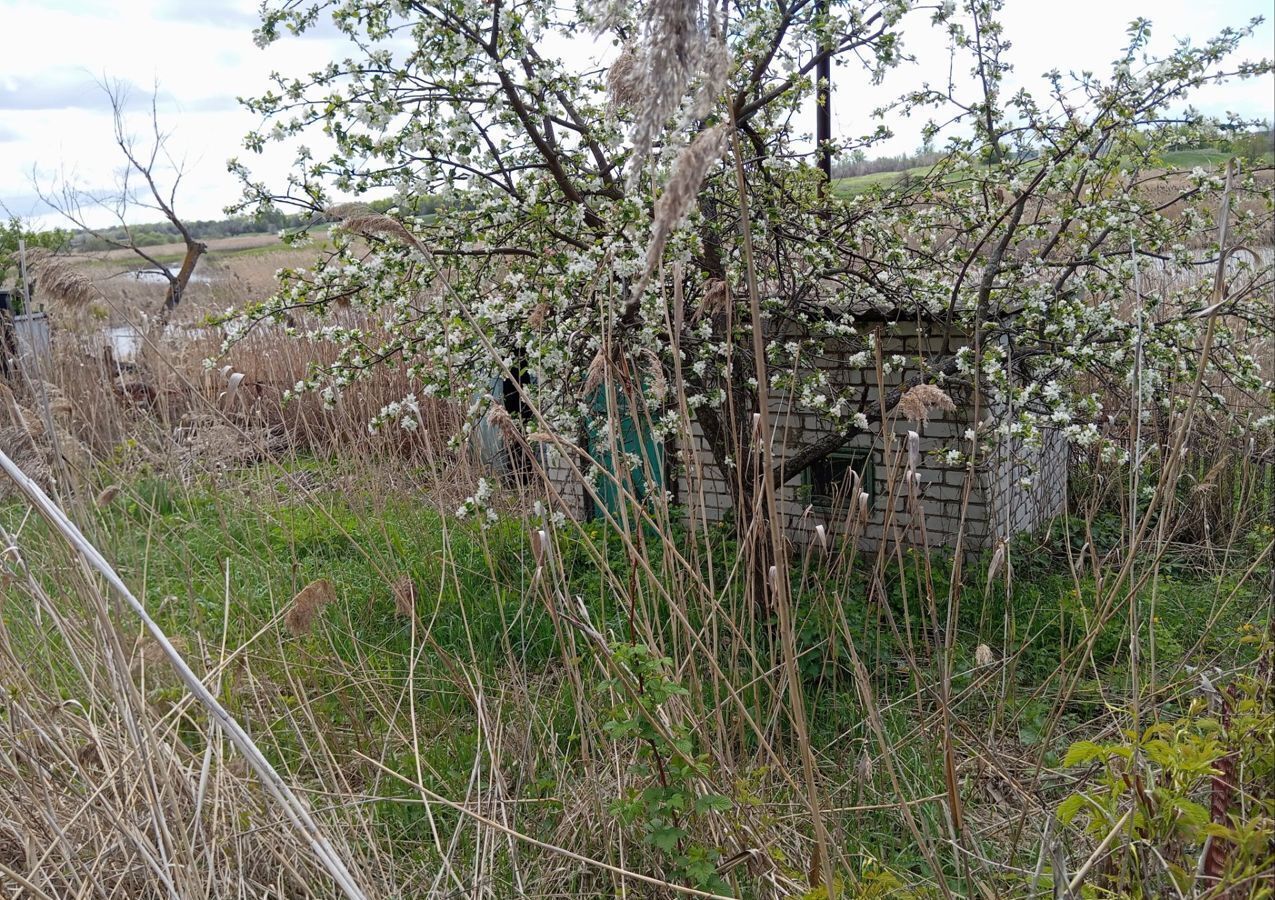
<point>823,105</point>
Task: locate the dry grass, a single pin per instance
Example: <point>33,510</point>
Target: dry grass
<point>61,280</point>
<point>113,791</point>
<point>682,190</point>
<point>216,246</point>
<point>171,408</point>
<point>405,596</point>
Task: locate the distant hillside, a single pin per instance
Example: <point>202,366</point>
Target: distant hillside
<point>858,176</point>
<point>154,234</point>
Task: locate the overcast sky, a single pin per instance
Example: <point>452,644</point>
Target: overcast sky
<point>54,120</point>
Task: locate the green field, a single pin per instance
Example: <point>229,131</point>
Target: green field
<point>1173,160</point>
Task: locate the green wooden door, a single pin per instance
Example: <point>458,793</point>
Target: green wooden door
<point>640,463</point>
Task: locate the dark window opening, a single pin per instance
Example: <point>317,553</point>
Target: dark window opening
<point>830,481</point>
<point>512,398</point>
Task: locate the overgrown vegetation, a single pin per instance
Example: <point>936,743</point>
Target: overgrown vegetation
<point>403,515</point>
<point>403,695</point>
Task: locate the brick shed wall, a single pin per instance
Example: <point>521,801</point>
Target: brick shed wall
<point>565,492</point>
<point>1000,503</point>
<point>1016,490</point>
<point>705,493</point>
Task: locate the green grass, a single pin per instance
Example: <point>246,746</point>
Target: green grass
<point>172,544</point>
<point>358,543</point>
<point>483,615</point>
<point>1205,157</point>
<point>858,184</point>
<point>475,585</point>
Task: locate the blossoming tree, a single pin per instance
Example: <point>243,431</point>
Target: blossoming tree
<point>660,220</point>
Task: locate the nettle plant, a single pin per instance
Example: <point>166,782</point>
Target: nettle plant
<point>589,219</point>
<point>1189,799</point>
<point>671,792</point>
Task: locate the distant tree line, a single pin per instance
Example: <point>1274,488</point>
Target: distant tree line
<point>1247,144</point>
<point>266,222</point>
<point>153,233</point>
<point>1244,144</point>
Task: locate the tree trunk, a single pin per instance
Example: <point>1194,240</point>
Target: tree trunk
<point>177,286</point>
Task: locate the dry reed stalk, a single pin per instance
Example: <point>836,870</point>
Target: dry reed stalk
<point>504,422</point>
<point>541,547</point>
<point>768,488</point>
<point>306,606</point>
<point>865,769</point>
<point>625,78</point>
<point>914,452</point>
<point>715,299</point>
<point>10,404</point>
<point>13,851</point>
<point>658,383</point>
<point>364,222</point>
<point>595,377</point>
<point>296,811</point>
<point>149,655</point>
<point>682,43</point>
<point>999,558</point>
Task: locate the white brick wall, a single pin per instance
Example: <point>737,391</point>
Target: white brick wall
<point>998,505</point>
<point>563,489</point>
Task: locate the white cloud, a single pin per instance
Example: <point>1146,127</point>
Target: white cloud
<point>199,54</point>
<point>233,16</point>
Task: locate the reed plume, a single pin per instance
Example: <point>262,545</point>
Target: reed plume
<point>306,606</point>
